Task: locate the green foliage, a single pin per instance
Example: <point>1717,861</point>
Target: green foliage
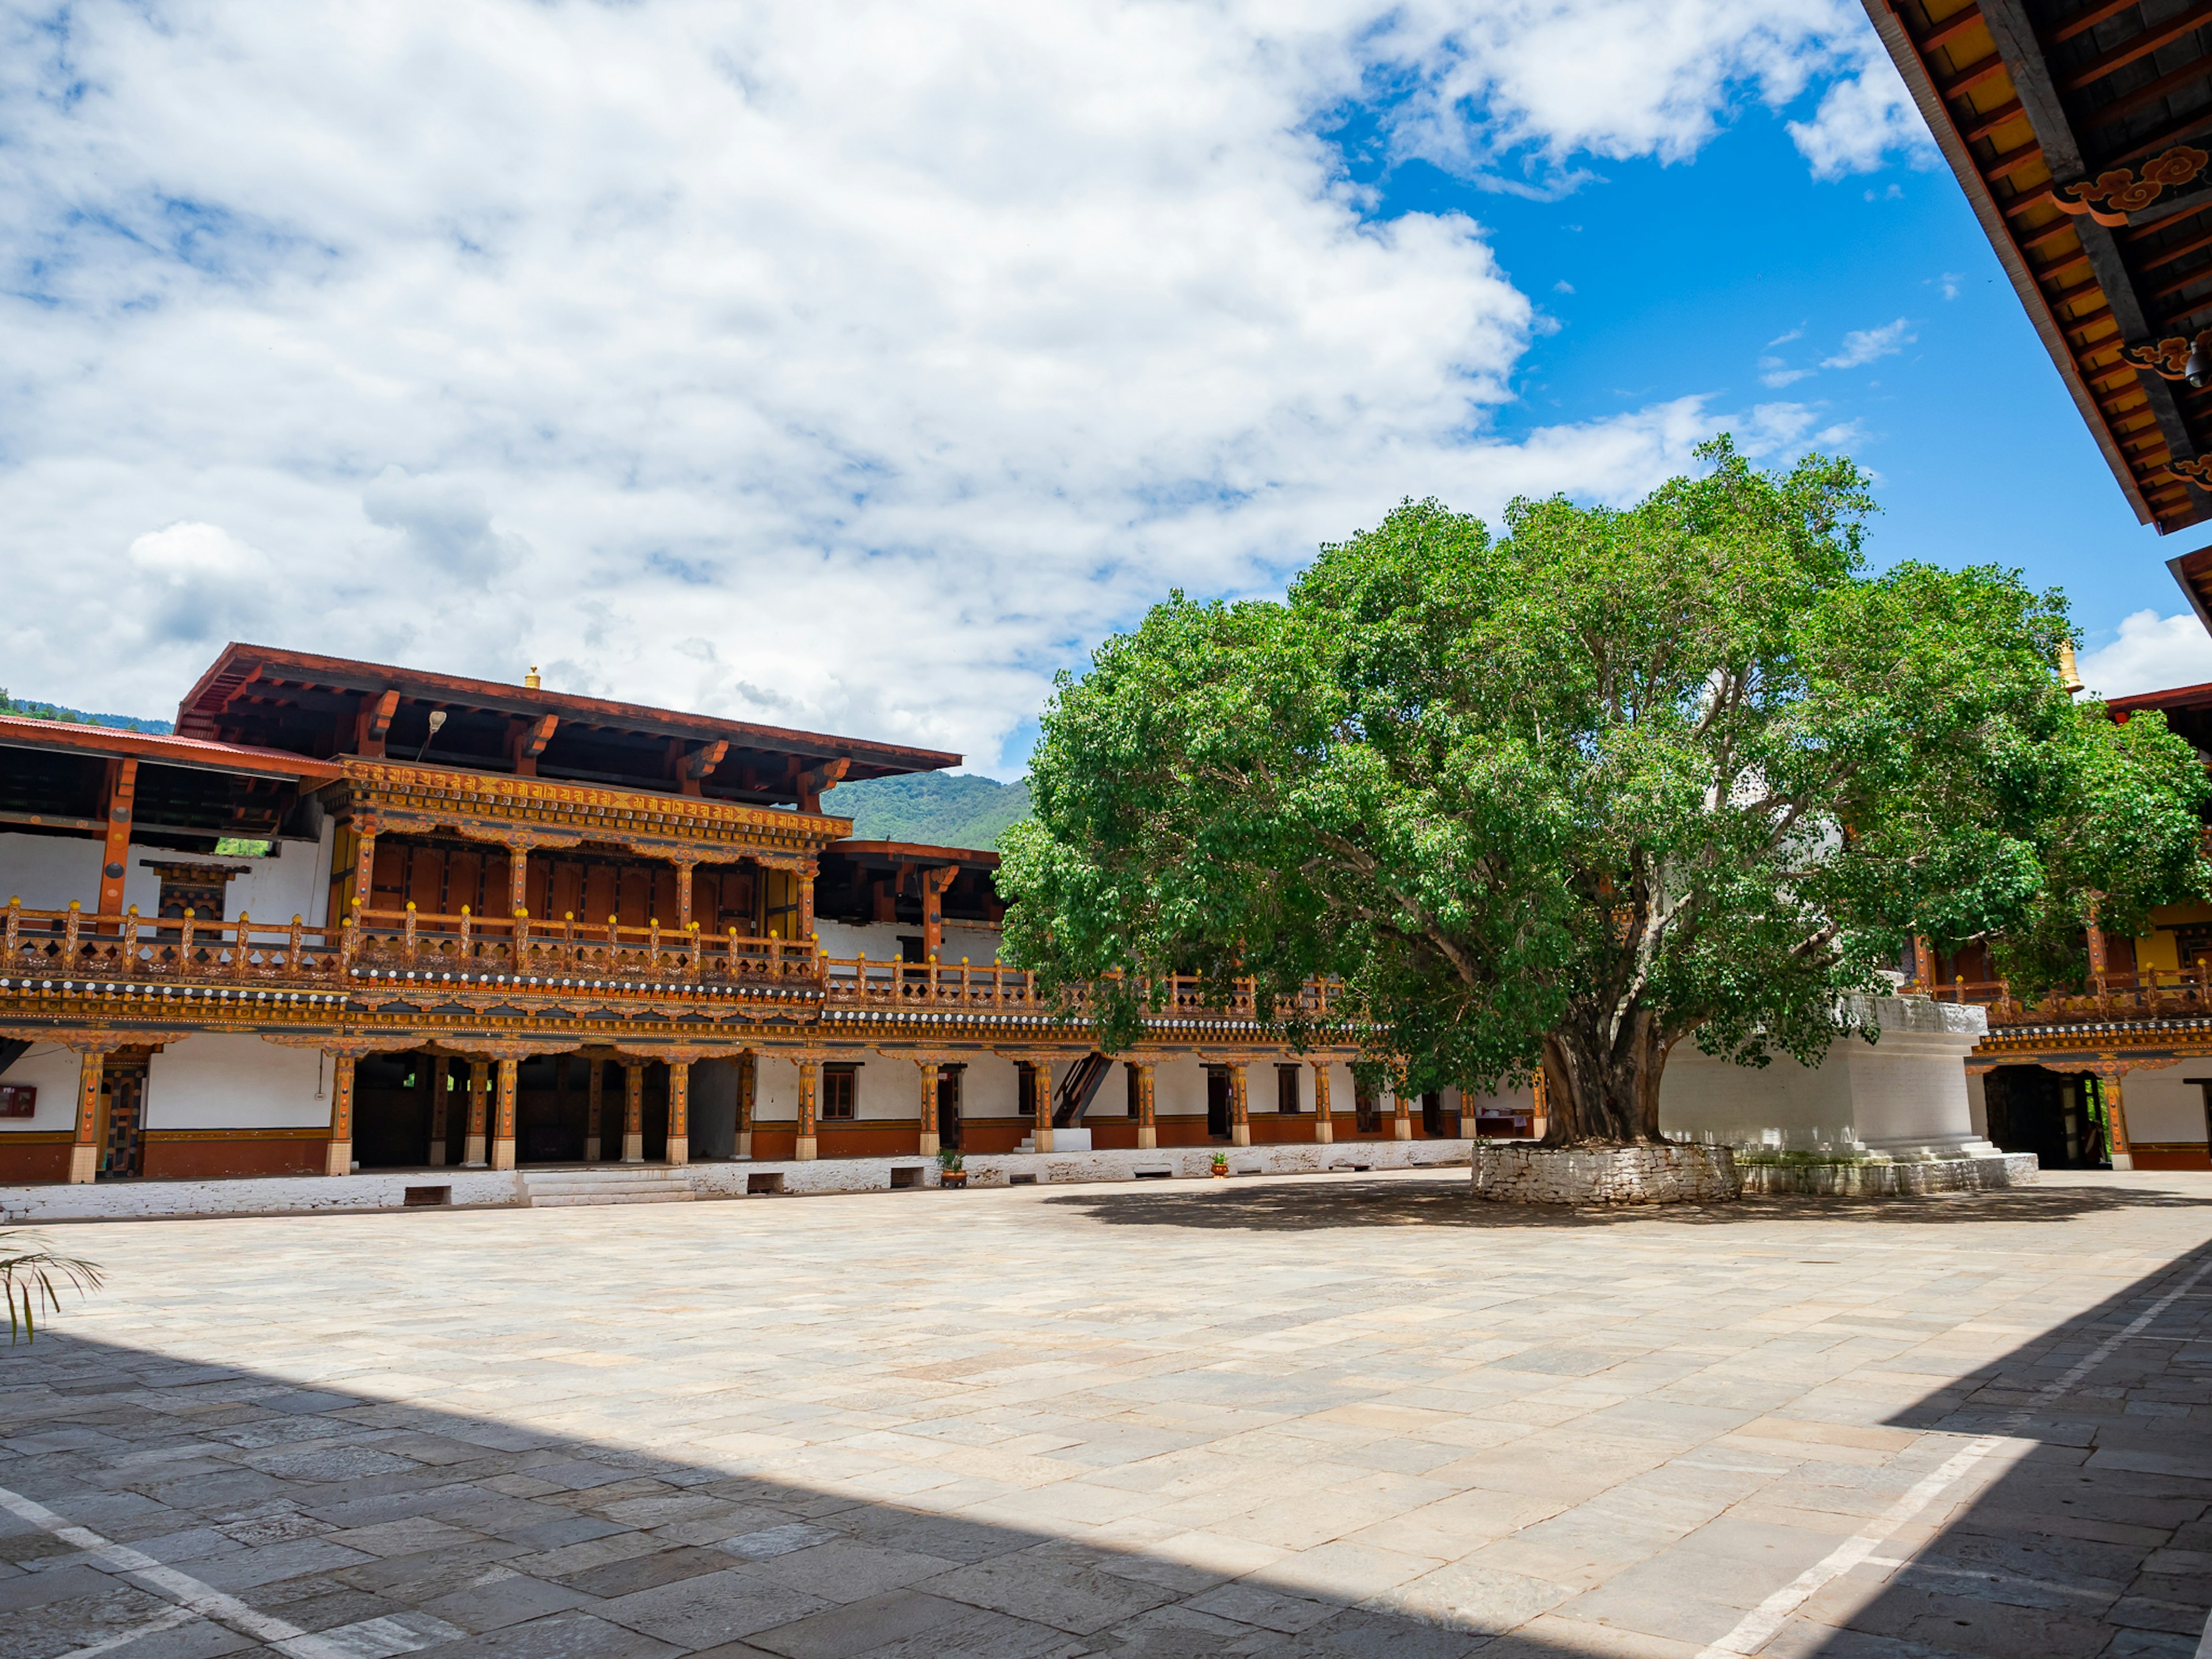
<point>1566,798</point>
<point>936,809</point>
<point>32,1276</point>
<point>241,847</point>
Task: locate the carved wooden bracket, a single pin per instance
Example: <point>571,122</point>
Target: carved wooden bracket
<point>2118,192</point>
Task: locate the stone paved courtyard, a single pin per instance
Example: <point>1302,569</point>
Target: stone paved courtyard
<point>1322,1415</point>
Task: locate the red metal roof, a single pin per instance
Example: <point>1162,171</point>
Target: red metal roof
<point>202,755</point>
<point>920,853</point>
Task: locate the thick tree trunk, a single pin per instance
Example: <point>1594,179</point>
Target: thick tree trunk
<point>1602,1087</point>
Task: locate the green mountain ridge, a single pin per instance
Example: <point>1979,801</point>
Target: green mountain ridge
<point>936,809</point>
<point>49,711</point>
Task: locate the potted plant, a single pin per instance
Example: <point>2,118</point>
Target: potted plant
<point>1221,1166</point>
<point>951,1169</point>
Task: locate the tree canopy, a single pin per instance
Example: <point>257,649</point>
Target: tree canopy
<point>1565,798</point>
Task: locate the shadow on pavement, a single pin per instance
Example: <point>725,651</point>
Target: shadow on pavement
<point>380,1529</point>
<point>2096,1539</point>
<point>1310,1204</point>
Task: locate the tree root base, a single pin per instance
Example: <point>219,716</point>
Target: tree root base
<point>1605,1175</point>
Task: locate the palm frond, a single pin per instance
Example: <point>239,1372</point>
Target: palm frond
<point>32,1276</point>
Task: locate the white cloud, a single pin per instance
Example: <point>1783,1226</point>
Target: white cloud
<point>1773,372</point>
<point>853,366</point>
<point>1863,117</point>
<point>1863,345</point>
<point>2152,653</point>
<point>1621,78</point>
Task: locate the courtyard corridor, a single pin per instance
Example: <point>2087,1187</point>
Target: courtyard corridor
<point>1326,1415</point>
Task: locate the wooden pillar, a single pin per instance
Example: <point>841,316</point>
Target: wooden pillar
<point>933,884</point>
<point>1036,1092</point>
<point>928,1108</point>
<point>1924,965</point>
<point>596,1093</point>
<point>805,928</point>
<point>337,1159</point>
<point>2116,1126</point>
<point>1401,1115</point>
<point>1324,1123</point>
<point>364,864</point>
<point>114,860</point>
<point>748,1081</point>
<point>809,1097</point>
<point>1540,1122</point>
<point>633,1111</point>
<point>1240,1105</point>
<point>2096,943</point>
<point>518,880</point>
<point>434,1073</point>
<point>679,1112</point>
<point>1148,1131</point>
<point>472,1145</point>
<point>502,1130</point>
<point>84,1155</point>
<point>683,896</point>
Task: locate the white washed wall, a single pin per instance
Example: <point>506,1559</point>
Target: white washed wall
<point>775,1091</point>
<point>879,941</point>
<point>2159,1105</point>
<point>1906,1091</point>
<point>47,871</point>
<point>227,1082</point>
<point>53,1072</point>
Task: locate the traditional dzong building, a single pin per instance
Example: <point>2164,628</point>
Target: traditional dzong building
<point>2081,131</point>
<point>353,918</point>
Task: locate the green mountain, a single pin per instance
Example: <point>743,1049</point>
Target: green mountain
<point>937,809</point>
<point>47,711</point>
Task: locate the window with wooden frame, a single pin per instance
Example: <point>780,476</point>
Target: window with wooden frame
<point>1287,1088</point>
<point>1366,1110</point>
<point>840,1089</point>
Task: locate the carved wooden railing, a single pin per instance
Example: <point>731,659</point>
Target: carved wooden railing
<point>859,982</point>
<point>61,945</point>
<point>520,954</point>
<point>519,947</point>
<point>2153,994</point>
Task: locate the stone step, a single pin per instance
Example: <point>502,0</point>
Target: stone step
<point>631,1184</point>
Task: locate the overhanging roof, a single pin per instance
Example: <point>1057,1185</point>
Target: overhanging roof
<point>884,853</point>
<point>2081,133</point>
<point>194,753</point>
<point>241,668</point>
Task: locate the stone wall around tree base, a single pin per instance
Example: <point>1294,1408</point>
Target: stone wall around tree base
<point>1873,1178</point>
<point>1506,1174</point>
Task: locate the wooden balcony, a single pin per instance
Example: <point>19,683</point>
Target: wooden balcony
<point>2155,994</point>
<point>522,959</point>
<point>514,953</point>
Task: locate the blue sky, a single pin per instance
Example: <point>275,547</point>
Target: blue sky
<point>1686,277</point>
<point>859,368</point>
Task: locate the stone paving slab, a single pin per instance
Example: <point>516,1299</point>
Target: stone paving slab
<point>1326,1415</point>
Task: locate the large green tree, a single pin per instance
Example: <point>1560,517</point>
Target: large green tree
<point>1565,799</point>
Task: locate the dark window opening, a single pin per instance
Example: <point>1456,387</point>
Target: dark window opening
<point>1287,1088</point>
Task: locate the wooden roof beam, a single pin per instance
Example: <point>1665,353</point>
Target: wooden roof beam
<point>2128,103</point>
<point>2141,45</point>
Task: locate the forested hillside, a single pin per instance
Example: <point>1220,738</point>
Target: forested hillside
<point>940,809</point>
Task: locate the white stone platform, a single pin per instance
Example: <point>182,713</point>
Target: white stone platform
<point>387,1189</point>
